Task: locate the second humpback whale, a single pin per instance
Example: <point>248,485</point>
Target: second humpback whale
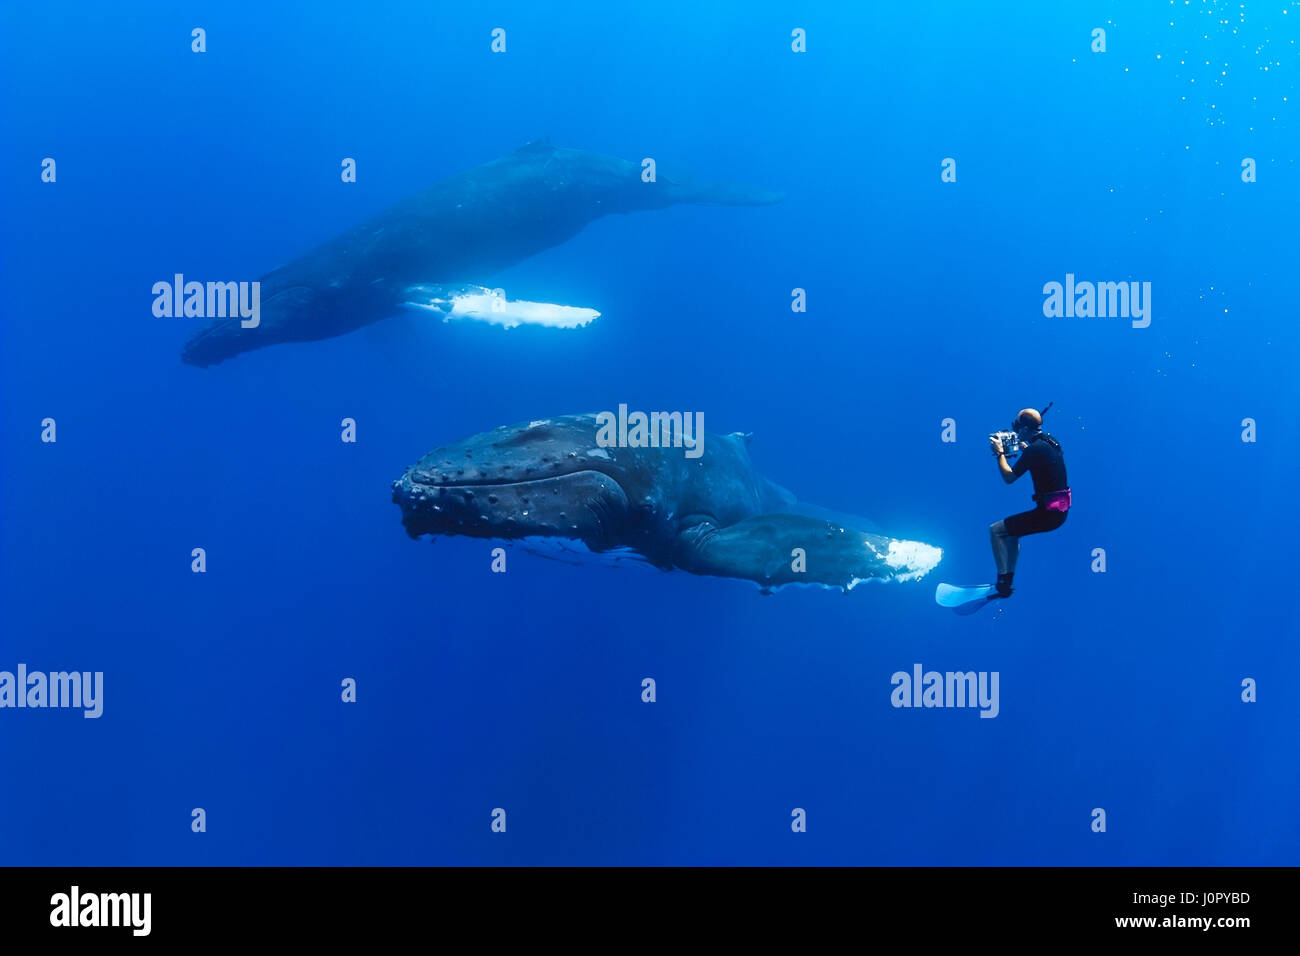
<point>709,515</point>
<point>420,252</point>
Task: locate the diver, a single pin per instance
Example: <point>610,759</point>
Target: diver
<point>1043,459</point>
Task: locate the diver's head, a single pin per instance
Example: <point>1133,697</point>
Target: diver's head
<point>1027,424</point>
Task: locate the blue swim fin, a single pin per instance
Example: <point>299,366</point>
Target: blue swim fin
<point>964,600</point>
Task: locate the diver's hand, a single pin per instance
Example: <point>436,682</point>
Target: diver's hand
<point>995,444</point>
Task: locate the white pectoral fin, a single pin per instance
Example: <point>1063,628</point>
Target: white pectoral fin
<point>483,305</point>
<point>427,298</point>
<point>774,550</point>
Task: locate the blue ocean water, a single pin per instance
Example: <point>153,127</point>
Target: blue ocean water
<point>1119,690</point>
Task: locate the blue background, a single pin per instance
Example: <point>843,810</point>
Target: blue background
<point>1118,690</point>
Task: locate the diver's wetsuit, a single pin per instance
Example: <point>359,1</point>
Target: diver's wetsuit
<point>1045,462</point>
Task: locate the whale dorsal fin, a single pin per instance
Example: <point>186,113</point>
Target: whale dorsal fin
<point>540,145</point>
<point>746,437</point>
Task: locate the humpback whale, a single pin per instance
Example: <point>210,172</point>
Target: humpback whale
<point>708,515</point>
<point>459,231</point>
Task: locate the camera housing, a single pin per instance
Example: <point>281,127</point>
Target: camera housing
<point>1011,444</point>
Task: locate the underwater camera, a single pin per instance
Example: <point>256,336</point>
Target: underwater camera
<point>1011,446</point>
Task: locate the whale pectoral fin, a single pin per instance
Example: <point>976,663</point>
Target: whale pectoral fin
<point>486,305</point>
<point>778,549</point>
<point>431,298</point>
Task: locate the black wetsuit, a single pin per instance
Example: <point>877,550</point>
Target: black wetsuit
<point>1045,462</point>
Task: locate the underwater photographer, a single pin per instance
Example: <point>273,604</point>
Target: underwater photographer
<point>1040,454</point>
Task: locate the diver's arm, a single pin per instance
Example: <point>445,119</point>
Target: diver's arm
<point>1007,474</point>
<point>1003,468</point>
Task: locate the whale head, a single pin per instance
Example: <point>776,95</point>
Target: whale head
<point>542,478</point>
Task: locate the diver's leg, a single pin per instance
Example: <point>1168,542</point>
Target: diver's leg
<point>1006,549</point>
